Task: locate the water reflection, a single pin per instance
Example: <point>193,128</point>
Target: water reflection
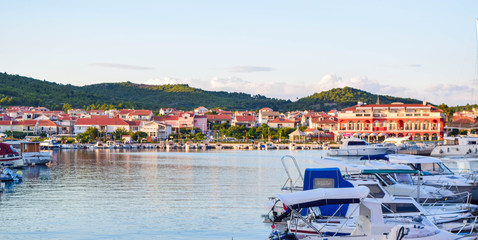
<point>118,194</point>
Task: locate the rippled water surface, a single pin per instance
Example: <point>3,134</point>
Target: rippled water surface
<point>107,194</point>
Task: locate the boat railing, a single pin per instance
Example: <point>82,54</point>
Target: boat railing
<point>472,224</point>
<point>292,183</point>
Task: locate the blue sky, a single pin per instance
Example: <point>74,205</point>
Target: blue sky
<point>283,49</point>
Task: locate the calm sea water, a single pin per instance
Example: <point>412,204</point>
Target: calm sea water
<point>112,194</point>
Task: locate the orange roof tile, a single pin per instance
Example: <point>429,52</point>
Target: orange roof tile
<point>100,121</point>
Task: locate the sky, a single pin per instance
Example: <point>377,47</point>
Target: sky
<point>283,49</point>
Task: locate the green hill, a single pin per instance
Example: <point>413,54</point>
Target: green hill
<point>19,90</point>
<point>338,98</point>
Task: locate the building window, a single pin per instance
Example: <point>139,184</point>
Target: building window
<point>417,125</point>
<point>426,125</point>
<point>359,125</point>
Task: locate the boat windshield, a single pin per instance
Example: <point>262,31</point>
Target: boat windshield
<point>404,178</point>
<point>357,143</point>
<point>399,208</point>
<point>375,190</point>
<point>436,168</point>
<point>387,179</point>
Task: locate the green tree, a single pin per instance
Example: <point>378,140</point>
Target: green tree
<point>139,135</point>
<point>447,111</point>
<point>118,133</point>
<point>92,133</point>
<point>66,107</point>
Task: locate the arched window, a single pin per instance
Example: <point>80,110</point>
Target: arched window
<point>426,137</point>
<point>426,125</point>
<point>408,125</point>
<point>351,125</point>
<point>359,125</point>
<point>417,125</point>
<point>376,123</point>
<point>384,123</point>
<point>393,125</point>
<point>417,137</point>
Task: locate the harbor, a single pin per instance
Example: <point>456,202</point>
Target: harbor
<point>90,192</point>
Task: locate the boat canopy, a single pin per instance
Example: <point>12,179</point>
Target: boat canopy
<point>324,196</point>
<point>413,159</point>
<point>6,149</point>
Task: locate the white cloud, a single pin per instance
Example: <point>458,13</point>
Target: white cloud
<point>450,94</point>
<point>363,83</point>
<point>437,94</point>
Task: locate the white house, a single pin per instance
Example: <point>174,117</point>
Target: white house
<point>107,125</point>
<point>155,130</point>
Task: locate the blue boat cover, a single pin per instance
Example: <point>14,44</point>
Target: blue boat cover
<point>327,174</point>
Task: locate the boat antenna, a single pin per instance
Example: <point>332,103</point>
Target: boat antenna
<point>475,77</point>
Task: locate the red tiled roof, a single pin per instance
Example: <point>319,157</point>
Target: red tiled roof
<point>64,117</point>
<point>165,118</point>
<point>99,116</point>
<point>100,121</point>
<point>46,123</point>
<point>5,122</point>
<point>133,123</point>
<point>325,120</point>
<point>27,122</point>
<point>140,112</point>
<point>463,120</point>
<point>281,120</point>
<point>224,112</point>
<point>245,119</point>
<point>310,130</point>
<point>218,117</point>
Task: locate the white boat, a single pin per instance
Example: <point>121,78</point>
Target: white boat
<point>397,141</point>
<point>465,166</point>
<point>398,181</point>
<point>358,147</point>
<point>109,144</point>
<point>371,223</point>
<point>30,152</point>
<point>98,145</point>
<point>49,144</point>
<point>434,173</point>
<point>457,146</point>
<point>9,157</point>
<point>450,217</point>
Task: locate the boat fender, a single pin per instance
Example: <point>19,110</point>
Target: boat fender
<point>441,151</point>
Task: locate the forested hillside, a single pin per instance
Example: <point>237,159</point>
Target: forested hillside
<point>19,90</point>
<point>338,98</point>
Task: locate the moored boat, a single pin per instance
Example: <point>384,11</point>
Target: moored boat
<point>457,146</point>
<point>9,157</point>
<point>30,152</point>
<point>358,147</point>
